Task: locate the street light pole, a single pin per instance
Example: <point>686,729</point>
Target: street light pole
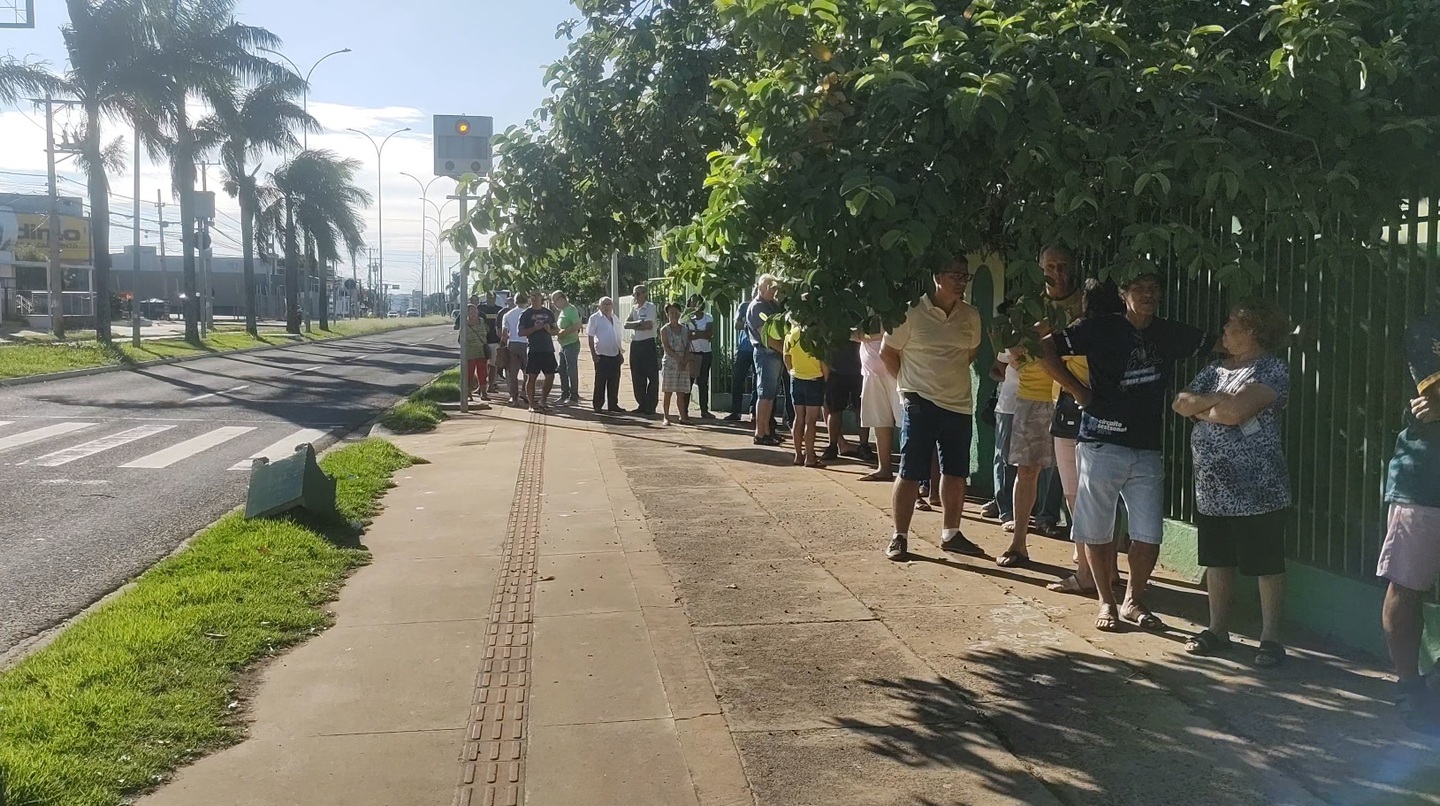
<point>424,198</point>
<point>305,93</point>
<point>380,203</point>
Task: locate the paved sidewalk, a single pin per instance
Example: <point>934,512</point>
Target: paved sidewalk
<point>585,612</point>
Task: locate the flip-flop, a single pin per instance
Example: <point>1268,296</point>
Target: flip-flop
<point>1141,617</point>
<point>1070,584</point>
<point>878,476</point>
<point>1012,559</point>
<point>923,505</point>
<point>815,465</point>
<point>1107,620</point>
<point>1207,642</point>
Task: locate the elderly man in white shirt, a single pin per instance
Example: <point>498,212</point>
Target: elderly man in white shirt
<point>603,331</point>
<point>518,347</point>
<point>644,360</point>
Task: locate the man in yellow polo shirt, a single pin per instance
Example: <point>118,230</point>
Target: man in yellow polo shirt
<point>931,353</point>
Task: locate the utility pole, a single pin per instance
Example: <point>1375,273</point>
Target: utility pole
<point>202,232</point>
<point>135,257</point>
<point>55,228</point>
<point>463,302</point>
<point>164,286</point>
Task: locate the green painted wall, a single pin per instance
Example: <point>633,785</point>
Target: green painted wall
<point>1329,605</point>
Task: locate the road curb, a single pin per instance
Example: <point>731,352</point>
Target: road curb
<point>161,362</point>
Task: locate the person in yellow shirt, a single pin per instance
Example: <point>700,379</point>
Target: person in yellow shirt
<point>807,392</point>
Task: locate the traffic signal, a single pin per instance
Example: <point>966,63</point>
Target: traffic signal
<point>462,145</point>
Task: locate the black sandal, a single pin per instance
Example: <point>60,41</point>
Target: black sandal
<point>1207,643</point>
<point>1271,654</point>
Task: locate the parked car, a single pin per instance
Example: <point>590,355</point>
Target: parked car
<point>393,315</point>
<point>415,312</point>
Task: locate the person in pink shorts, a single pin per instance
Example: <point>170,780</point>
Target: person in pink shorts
<point>1410,558</point>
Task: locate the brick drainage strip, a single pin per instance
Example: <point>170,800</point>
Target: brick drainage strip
<point>492,764</point>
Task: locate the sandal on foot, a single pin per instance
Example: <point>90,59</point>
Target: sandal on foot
<point>1107,620</point>
<point>878,476</point>
<point>1271,654</point>
<point>1070,584</point>
<point>1207,642</point>
<point>817,465</point>
<point>1012,559</point>
<point>923,505</point>
<point>1141,617</point>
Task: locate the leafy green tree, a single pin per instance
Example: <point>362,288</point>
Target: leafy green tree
<point>262,120</point>
<point>879,135</point>
<point>617,154</point>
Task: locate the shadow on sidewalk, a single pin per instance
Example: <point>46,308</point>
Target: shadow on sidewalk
<point>1134,732</point>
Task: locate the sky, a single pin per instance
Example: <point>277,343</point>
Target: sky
<point>409,60</point>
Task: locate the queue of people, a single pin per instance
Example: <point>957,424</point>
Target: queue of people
<point>1083,399</point>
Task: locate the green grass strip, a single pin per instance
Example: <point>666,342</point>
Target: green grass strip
<point>421,411</point>
<point>23,359</point>
<point>148,682</point>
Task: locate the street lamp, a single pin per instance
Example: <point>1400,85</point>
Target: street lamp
<point>424,199</point>
<point>439,214</point>
<point>305,93</point>
<point>380,199</point>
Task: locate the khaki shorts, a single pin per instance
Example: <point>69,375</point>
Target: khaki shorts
<point>880,404</point>
<point>1030,442</point>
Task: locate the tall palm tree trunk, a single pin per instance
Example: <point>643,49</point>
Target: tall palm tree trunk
<point>99,188</point>
<point>323,292</point>
<point>185,167</point>
<point>247,252</point>
<point>292,271</point>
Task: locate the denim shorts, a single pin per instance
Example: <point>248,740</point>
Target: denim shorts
<point>1109,474</point>
<point>769,367</point>
<point>807,393</point>
<point>929,427</point>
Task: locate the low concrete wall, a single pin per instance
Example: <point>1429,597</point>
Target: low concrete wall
<point>1327,604</point>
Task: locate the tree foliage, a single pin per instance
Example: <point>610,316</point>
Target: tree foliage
<point>852,144</point>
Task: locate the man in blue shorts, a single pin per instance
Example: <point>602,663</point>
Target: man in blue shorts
<point>930,354</point>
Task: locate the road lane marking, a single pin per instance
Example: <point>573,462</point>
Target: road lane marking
<point>100,445</point>
<point>188,448</point>
<point>217,394</point>
<point>27,437</point>
<point>311,369</point>
<point>4,423</point>
<point>284,447</point>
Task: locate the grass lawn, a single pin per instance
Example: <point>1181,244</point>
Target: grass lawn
<point>41,357</point>
<point>421,411</point>
<point>147,683</point>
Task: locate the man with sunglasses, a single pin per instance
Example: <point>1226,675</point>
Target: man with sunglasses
<point>931,353</point>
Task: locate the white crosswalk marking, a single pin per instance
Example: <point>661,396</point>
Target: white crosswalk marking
<point>4,423</point>
<point>190,447</point>
<point>102,444</point>
<point>284,447</point>
<point>27,437</point>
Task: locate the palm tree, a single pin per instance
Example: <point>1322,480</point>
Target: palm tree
<point>315,196</point>
<point>197,48</point>
<point>262,120</point>
<point>19,78</point>
<point>107,74</point>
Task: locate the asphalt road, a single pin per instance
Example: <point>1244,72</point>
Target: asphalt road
<point>102,476</point>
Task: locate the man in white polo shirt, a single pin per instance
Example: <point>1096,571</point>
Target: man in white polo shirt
<point>930,353</point>
<point>603,331</point>
<point>644,361</point>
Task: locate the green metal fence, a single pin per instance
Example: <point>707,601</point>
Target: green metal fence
<point>1349,383</point>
